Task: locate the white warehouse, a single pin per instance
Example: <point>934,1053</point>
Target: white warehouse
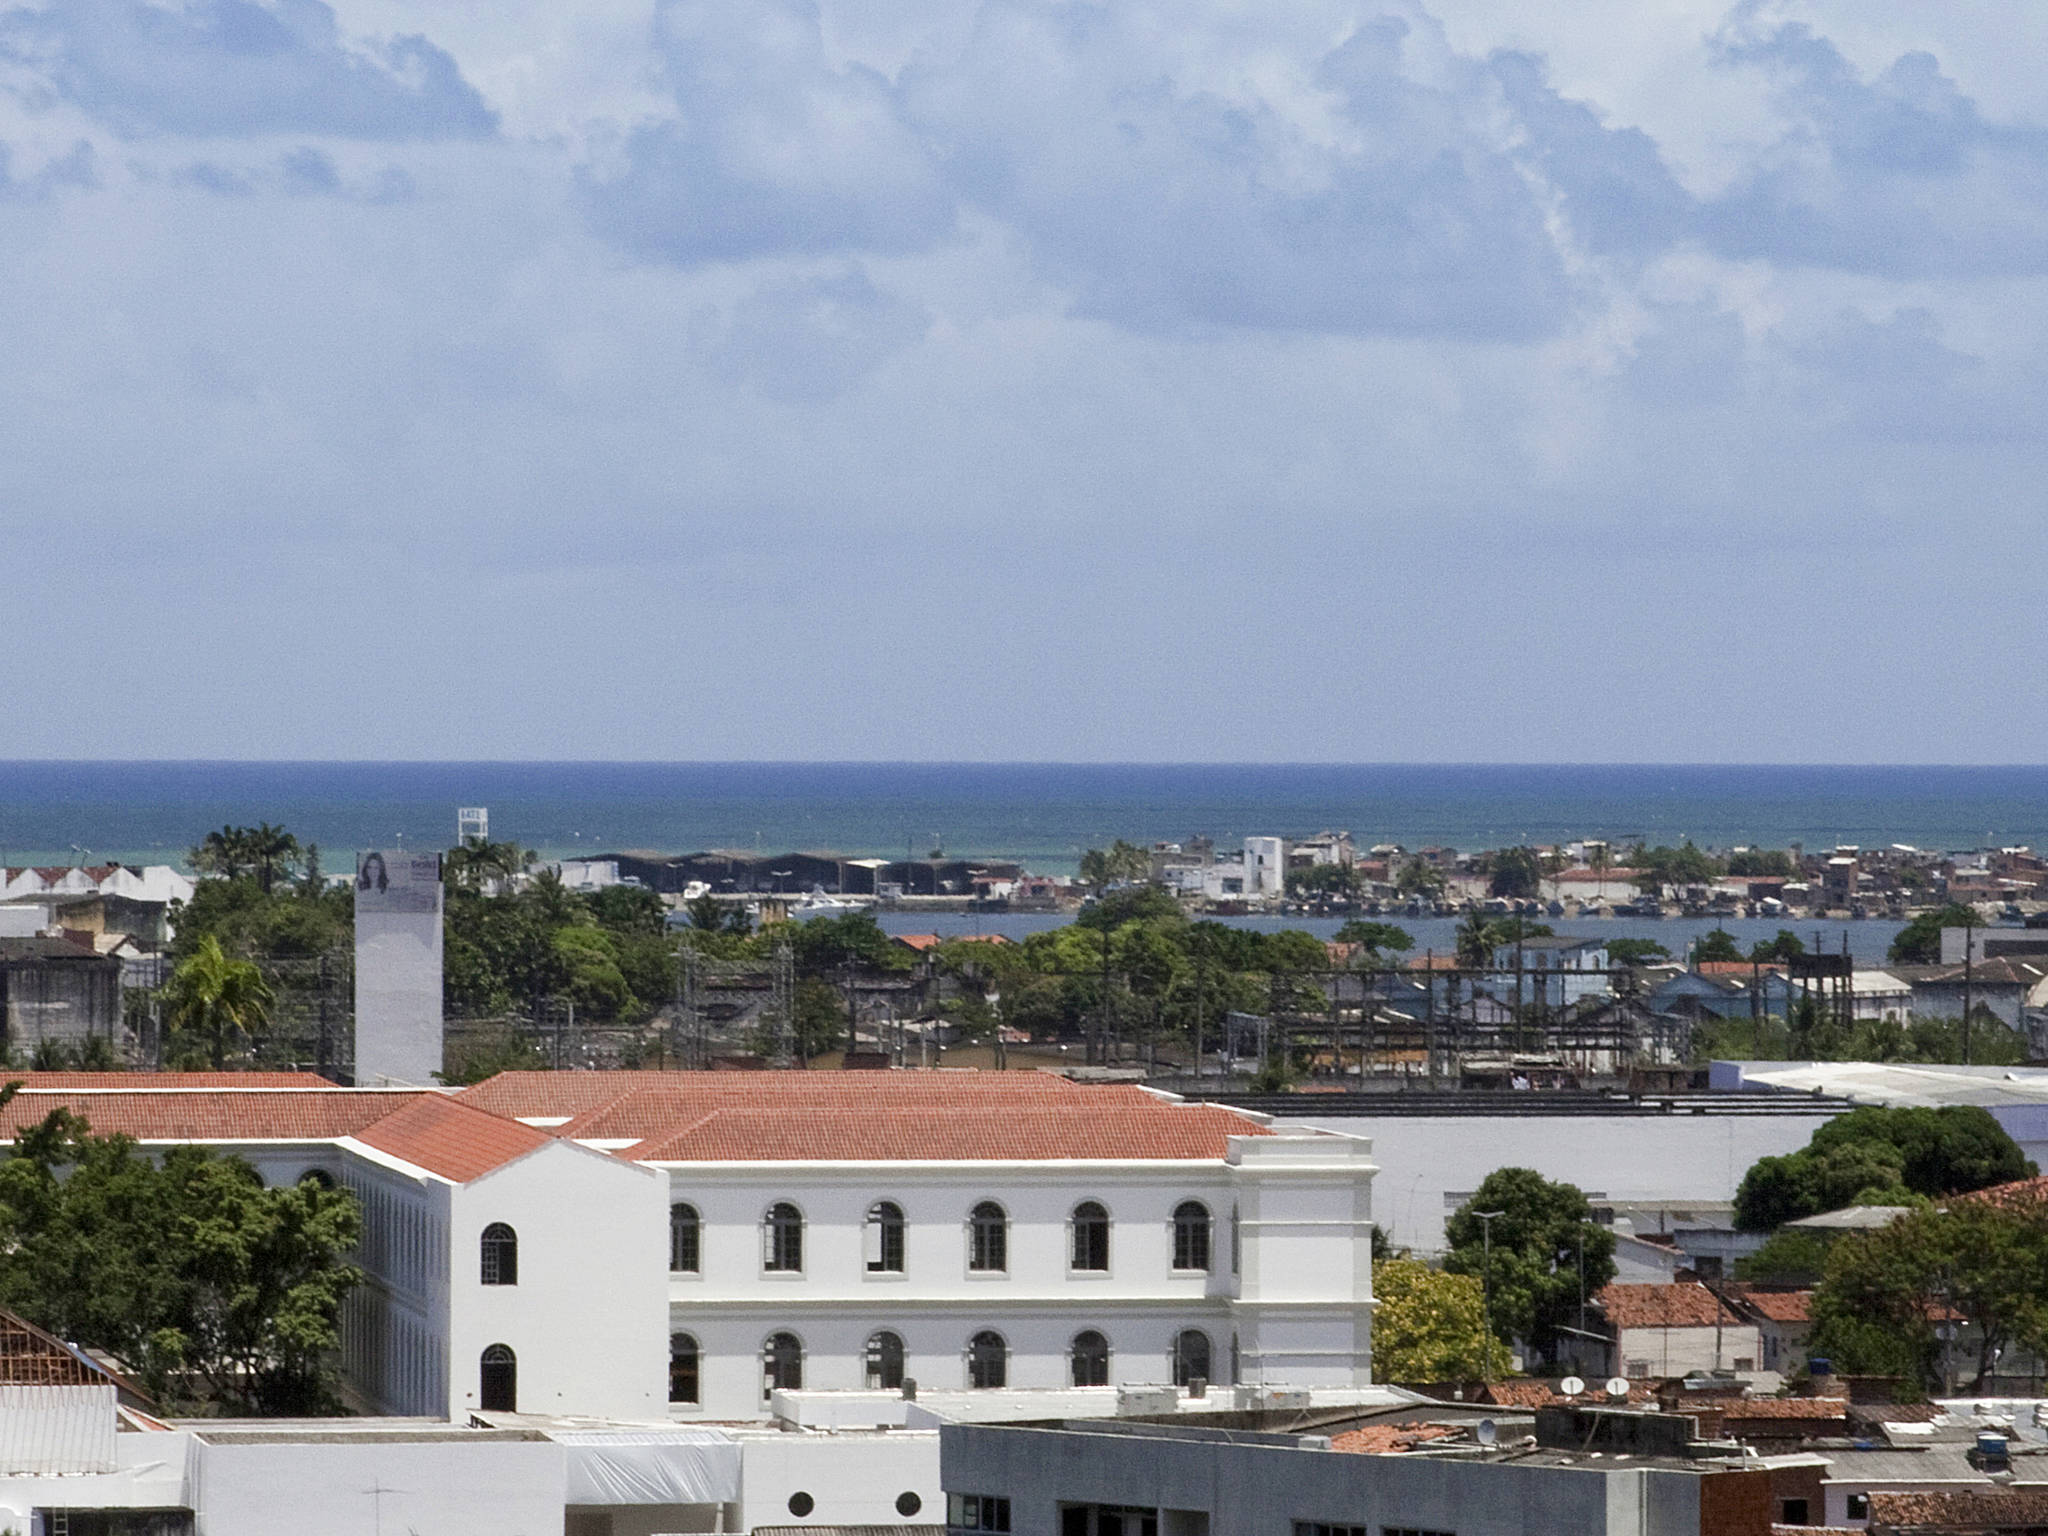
<point>641,1245</point>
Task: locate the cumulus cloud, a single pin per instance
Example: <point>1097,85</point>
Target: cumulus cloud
<point>228,68</point>
<point>774,149</point>
<point>808,339</point>
<point>1897,174</point>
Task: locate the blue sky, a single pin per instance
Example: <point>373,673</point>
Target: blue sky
<point>1630,380</point>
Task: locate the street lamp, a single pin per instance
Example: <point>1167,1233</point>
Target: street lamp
<point>1486,1220</point>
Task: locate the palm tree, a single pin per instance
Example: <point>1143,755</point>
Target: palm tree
<point>216,1000</point>
<point>272,850</point>
<point>1476,939</point>
<point>225,853</point>
<point>478,864</point>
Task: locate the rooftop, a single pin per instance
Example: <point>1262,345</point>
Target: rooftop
<point>1686,1304</point>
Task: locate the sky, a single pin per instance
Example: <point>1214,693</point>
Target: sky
<point>1627,380</point>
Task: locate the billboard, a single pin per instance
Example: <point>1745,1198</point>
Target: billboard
<point>398,882</point>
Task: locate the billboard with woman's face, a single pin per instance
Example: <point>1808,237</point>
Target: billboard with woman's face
<point>398,881</point>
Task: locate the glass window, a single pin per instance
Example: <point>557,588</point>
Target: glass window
<point>782,1364</point>
<point>885,1360</point>
<point>988,1238</point>
<point>1236,1242</point>
<point>1191,1236</point>
<point>1858,1507</point>
<point>884,1238</point>
<point>988,1360</point>
<point>498,1380</point>
<point>1088,1359</point>
<point>500,1253</point>
<point>1091,1237</point>
<point>1190,1356</point>
<point>684,1233</point>
<point>1325,1528</point>
<point>782,1239</point>
<point>977,1512</point>
<point>682,1368</point>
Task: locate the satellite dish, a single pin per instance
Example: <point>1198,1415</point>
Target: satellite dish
<point>1571,1386</point>
<point>1486,1432</point>
<point>1617,1387</point>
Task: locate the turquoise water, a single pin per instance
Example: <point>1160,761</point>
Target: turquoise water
<point>1043,814</point>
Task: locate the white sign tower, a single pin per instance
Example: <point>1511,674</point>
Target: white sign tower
<point>398,968</point>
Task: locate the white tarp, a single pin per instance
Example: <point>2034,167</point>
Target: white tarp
<point>655,1466</point>
<point>57,1429</point>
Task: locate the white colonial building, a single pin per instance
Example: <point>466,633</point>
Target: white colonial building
<point>639,1245</point>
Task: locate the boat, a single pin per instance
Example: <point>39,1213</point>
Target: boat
<point>818,904</point>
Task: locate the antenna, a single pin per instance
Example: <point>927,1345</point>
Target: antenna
<point>1571,1386</point>
<point>1486,1432</point>
<point>1617,1388</point>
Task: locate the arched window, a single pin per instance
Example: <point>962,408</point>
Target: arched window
<point>1190,1356</point>
<point>685,1229</point>
<point>498,1380</point>
<point>782,1238</point>
<point>988,1360</point>
<point>1088,1359</point>
<point>782,1364</point>
<point>885,1361</point>
<point>500,1249</point>
<point>1236,1242</point>
<point>1191,1236</point>
<point>988,1238</point>
<point>1091,1237</point>
<point>884,1238</point>
<point>683,1357</point>
<point>318,1176</point>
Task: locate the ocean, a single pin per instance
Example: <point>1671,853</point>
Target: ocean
<point>1044,814</point>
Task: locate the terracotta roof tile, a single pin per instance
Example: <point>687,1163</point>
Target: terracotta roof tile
<point>130,1082</point>
<point>1827,1408</point>
<point>1684,1305</point>
<point>1976,1510</point>
<point>1531,1393</point>
<point>455,1140</point>
<point>1780,1306</point>
<point>1383,1439</point>
<point>977,1133</point>
<point>210,1115</point>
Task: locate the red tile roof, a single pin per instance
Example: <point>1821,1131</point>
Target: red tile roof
<point>1788,1408</point>
<point>2020,1194</point>
<point>980,1133</point>
<point>1780,1306</point>
<point>211,1115</point>
<point>131,1082</point>
<point>1684,1305</point>
<point>455,1140</point>
<point>1383,1439</point>
<point>1531,1393</point>
<point>1979,1509</point>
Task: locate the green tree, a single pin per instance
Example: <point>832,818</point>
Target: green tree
<point>1786,946</point>
<point>1791,1256</point>
<point>1684,865</point>
<point>214,1290</point>
<point>1121,863</point>
<point>1755,863</point>
<point>1717,945</point>
<point>1537,1242</point>
<point>1876,1307</point>
<point>1378,941</point>
<point>1919,942</point>
<point>1323,880</point>
<point>1882,1156</point>
<point>1430,1326</point>
<point>1517,873</point>
<point>1636,951</point>
<point>214,1004</point>
<point>478,863</point>
<point>825,946</point>
<point>1135,903</point>
<point>592,980</point>
<point>1419,878</point>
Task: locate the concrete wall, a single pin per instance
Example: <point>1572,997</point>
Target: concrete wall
<point>1675,1351</point>
<point>398,972</point>
<point>1425,1160</point>
<point>588,1319</point>
<point>852,1482</point>
<point>507,1488</point>
<point>1261,1490</point>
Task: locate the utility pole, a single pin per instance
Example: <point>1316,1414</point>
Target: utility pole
<point>1969,944</point>
<point>1486,1220</point>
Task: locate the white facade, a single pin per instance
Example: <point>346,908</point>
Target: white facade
<point>1265,866</point>
<point>1298,1309</point>
<point>398,968</point>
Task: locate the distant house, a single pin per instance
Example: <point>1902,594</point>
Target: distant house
<point>2003,989</point>
<point>1557,970</point>
<point>1673,1330</point>
<point>1784,1322</point>
<point>58,990</point>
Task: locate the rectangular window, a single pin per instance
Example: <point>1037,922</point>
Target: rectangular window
<point>977,1512</point>
<point>1792,1512</point>
<point>1859,1506</point>
<point>1406,1530</point>
<point>1324,1528</point>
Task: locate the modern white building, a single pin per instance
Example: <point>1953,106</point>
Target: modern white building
<point>679,1245</point>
